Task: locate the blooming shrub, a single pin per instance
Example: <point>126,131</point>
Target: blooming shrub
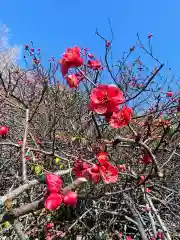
<point>101,151</point>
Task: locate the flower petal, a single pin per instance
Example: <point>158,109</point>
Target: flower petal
<point>109,173</point>
<point>53,201</point>
<point>54,183</point>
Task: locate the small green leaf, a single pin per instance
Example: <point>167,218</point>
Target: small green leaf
<point>121,161</point>
<point>32,168</point>
<point>42,178</point>
<point>28,153</point>
<point>6,224</point>
<point>57,159</point>
<point>37,169</point>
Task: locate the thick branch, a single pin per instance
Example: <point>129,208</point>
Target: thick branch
<point>19,190</point>
<point>24,167</point>
<point>37,205</point>
<point>18,229</point>
<point>139,225</point>
<point>159,218</point>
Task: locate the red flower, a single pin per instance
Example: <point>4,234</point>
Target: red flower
<point>122,167</point>
<point>160,236</point>
<point>94,173</point>
<point>120,234</point>
<point>74,79</point>
<point>141,179</point>
<point>146,159</point>
<point>121,118</point>
<point>150,35</point>
<point>38,141</point>
<point>95,168</point>
<point>53,201</point>
<point>169,94</point>
<point>108,43</point>
<point>70,59</point>
<point>4,130</point>
<point>94,64</point>
<point>79,168</point>
<point>147,190</point>
<point>105,98</point>
<point>49,225</point>
<point>26,47</point>
<point>129,238</point>
<point>70,198</point>
<point>82,169</point>
<point>19,142</point>
<point>54,183</point>
<point>102,157</point>
<point>109,173</point>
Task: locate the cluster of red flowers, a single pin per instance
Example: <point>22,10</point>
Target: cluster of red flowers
<point>103,169</point>
<point>105,100</point>
<point>54,196</point>
<point>72,59</point>
<point>32,52</point>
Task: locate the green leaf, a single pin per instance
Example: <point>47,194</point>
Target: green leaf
<point>121,161</point>
<point>27,153</point>
<point>61,166</point>
<point>57,159</point>
<point>37,169</point>
<point>6,224</point>
<point>32,168</point>
<point>42,178</point>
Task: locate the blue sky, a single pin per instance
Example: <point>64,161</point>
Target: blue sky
<point>56,24</point>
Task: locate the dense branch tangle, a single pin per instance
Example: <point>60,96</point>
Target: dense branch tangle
<point>49,121</point>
